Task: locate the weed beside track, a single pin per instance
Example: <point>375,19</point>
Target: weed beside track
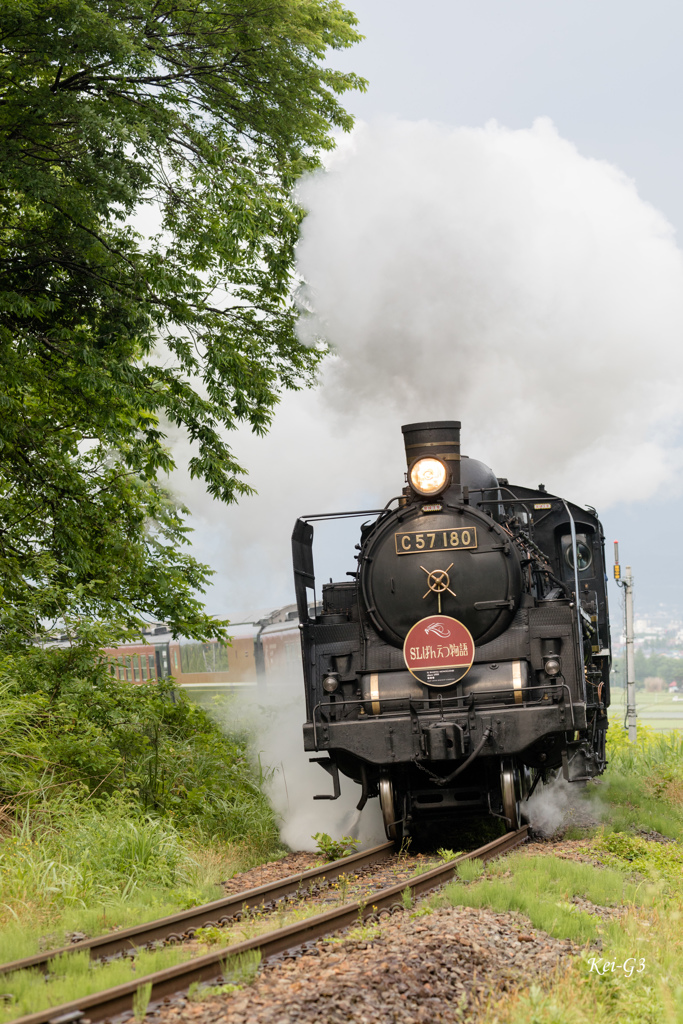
<point>74,975</point>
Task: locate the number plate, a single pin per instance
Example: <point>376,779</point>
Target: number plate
<point>414,543</point>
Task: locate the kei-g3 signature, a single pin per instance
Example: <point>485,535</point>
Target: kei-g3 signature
<point>601,965</point>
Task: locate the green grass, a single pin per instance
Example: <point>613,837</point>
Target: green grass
<point>578,995</point>
<point>641,791</point>
<point>141,1000</point>
<point>542,887</point>
<point>658,862</point>
<point>84,867</point>
<point>469,870</point>
<point>643,785</point>
<point>640,877</point>
<point>628,803</point>
<point>35,931</point>
<point>238,970</point>
<point>73,976</point>
<point>651,751</point>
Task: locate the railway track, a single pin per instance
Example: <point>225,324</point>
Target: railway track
<point>208,968</point>
<point>182,925</point>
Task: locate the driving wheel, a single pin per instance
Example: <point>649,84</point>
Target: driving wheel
<point>388,803</point>
<point>511,791</point>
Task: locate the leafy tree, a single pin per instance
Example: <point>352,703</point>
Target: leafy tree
<point>199,116</point>
<point>670,669</point>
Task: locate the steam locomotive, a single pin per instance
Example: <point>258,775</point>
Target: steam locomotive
<point>468,655</point>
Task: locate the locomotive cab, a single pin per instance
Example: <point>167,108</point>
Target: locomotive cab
<point>468,658</point>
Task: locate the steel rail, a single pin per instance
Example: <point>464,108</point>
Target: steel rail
<point>102,1005</point>
<point>217,912</point>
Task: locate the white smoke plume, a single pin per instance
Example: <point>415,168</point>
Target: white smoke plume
<point>558,805</point>
<point>494,276</point>
<point>296,781</point>
<point>501,278</point>
<point>275,716</point>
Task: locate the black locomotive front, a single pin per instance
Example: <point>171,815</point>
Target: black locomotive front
<point>523,571</point>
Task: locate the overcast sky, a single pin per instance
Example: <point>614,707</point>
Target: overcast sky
<point>610,78</point>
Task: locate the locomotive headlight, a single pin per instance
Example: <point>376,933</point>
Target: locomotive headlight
<point>552,666</point>
<point>330,683</point>
<point>428,476</point>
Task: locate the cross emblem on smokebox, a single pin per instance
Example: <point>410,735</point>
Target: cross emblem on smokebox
<point>438,581</point>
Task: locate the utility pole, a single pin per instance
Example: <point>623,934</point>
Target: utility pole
<point>627,584</point>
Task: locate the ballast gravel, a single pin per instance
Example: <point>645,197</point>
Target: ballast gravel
<point>264,874</point>
<point>436,967</point>
<point>411,968</point>
<point>352,885</point>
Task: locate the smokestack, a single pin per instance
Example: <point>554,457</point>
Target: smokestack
<point>439,439</point>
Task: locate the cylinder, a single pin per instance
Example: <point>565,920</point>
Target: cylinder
<point>504,683</point>
<point>390,691</point>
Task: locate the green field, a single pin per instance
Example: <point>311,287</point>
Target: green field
<point>658,710</point>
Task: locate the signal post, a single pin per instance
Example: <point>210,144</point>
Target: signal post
<point>627,583</point>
